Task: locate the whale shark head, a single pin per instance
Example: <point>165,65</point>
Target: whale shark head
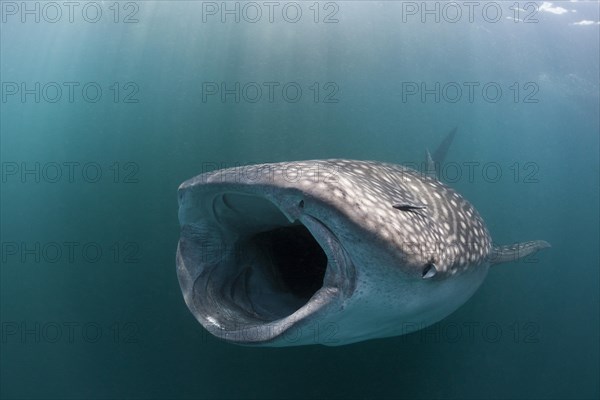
<point>326,251</point>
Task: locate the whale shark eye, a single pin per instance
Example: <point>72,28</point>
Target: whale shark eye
<point>429,271</point>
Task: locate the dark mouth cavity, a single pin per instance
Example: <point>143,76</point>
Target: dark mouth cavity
<point>267,267</point>
<point>296,259</point>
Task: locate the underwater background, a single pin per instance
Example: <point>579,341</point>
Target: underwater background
<point>108,106</point>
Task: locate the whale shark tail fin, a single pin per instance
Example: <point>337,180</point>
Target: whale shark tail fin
<point>514,252</point>
<point>439,155</point>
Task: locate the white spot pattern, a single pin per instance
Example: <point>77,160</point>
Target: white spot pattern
<point>448,232</point>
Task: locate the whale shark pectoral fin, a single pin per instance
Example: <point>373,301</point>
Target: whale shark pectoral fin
<point>513,252</point>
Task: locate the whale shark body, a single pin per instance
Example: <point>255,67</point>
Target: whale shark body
<point>328,251</point>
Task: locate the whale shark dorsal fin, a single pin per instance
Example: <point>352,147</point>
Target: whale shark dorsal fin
<point>430,166</point>
<point>513,252</point>
<point>439,155</point>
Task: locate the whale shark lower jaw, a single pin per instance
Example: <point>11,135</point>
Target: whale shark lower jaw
<point>327,251</point>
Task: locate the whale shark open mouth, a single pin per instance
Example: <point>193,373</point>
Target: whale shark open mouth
<point>250,270</point>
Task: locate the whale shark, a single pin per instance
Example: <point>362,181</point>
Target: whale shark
<point>330,252</point>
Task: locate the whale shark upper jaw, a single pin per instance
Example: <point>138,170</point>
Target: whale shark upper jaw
<point>256,261</point>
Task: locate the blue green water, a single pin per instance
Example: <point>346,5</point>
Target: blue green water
<point>90,304</point>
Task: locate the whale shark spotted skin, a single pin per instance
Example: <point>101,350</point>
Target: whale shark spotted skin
<point>328,251</point>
